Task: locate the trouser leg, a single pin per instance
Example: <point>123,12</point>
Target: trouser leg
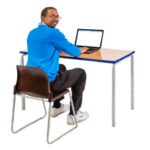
<point>74,79</point>
<point>57,103</point>
<point>77,90</point>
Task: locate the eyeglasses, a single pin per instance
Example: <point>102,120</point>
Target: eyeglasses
<point>55,17</point>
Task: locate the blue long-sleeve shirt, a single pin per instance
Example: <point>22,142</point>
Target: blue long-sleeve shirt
<point>44,44</point>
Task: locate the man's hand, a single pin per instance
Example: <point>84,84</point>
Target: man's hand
<point>83,49</point>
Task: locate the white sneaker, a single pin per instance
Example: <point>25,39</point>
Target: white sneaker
<point>80,116</point>
<point>57,111</point>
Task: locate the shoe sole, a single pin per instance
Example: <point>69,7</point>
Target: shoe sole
<point>71,123</point>
<point>59,113</point>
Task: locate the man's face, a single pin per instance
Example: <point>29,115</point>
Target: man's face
<point>51,19</point>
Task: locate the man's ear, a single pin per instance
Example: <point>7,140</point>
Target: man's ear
<point>42,18</point>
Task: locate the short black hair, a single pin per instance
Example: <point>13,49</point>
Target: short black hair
<point>44,11</point>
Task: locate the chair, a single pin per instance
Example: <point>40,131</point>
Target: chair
<point>33,82</point>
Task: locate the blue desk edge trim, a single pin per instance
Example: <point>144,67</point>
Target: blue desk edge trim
<point>21,52</point>
<point>106,61</point>
<point>125,56</point>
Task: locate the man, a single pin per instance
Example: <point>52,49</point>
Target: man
<point>44,45</point>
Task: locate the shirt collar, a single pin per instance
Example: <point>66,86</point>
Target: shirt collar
<point>42,23</point>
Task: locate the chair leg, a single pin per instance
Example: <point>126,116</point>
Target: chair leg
<point>23,102</point>
<point>73,109</point>
<point>48,125</point>
<point>13,117</point>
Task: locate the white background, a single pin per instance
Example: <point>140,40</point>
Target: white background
<point>126,25</point>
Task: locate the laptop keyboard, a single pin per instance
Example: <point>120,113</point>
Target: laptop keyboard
<point>91,50</point>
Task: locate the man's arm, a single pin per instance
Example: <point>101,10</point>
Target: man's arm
<point>61,43</point>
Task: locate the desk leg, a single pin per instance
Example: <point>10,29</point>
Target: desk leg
<point>22,60</point>
<point>113,95</point>
<point>23,97</point>
<point>132,82</point>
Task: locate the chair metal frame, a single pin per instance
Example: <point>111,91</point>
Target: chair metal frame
<point>13,117</point>
<point>45,113</point>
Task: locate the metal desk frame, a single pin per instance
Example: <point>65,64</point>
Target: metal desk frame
<point>113,78</point>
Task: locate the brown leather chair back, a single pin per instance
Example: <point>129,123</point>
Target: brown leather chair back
<point>32,81</point>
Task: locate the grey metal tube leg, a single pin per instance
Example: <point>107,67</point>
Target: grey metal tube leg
<point>73,109</point>
<point>23,103</point>
<point>23,97</point>
<point>132,82</point>
<point>113,95</point>
<point>48,124</point>
<point>22,59</point>
<point>13,117</point>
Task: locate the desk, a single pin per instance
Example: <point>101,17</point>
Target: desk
<point>110,56</point>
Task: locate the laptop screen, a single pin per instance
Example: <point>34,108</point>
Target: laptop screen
<point>89,38</point>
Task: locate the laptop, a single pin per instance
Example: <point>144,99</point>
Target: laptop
<point>91,38</point>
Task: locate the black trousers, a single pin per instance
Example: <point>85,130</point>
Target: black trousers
<point>74,79</point>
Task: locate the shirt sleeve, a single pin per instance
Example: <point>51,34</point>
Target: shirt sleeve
<point>61,43</point>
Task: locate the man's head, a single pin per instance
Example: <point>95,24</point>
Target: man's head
<point>50,16</point>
